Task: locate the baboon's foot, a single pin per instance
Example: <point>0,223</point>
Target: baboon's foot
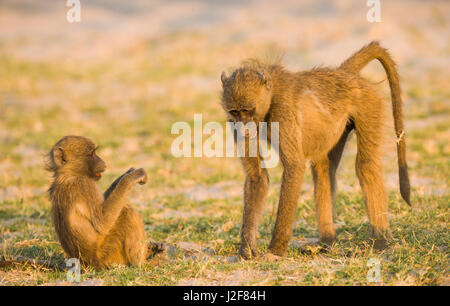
<point>276,252</point>
<point>380,238</point>
<point>248,252</point>
<point>327,240</point>
<point>155,248</point>
<point>277,249</point>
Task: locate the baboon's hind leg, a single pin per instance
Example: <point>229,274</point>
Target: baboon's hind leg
<point>335,157</point>
<point>323,200</point>
<point>324,175</point>
<point>370,174</point>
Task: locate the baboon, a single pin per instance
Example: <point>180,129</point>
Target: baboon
<point>316,111</point>
<point>98,228</point>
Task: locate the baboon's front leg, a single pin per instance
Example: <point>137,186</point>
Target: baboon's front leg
<point>255,192</point>
<point>114,184</point>
<point>113,204</point>
<point>289,194</point>
<point>323,200</point>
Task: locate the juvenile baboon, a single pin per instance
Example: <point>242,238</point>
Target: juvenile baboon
<point>316,111</point>
<point>98,228</point>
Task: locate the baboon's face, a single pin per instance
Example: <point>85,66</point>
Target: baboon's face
<point>243,115</point>
<point>77,155</point>
<point>246,96</point>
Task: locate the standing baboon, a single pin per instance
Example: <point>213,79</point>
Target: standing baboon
<point>100,229</point>
<point>316,111</point>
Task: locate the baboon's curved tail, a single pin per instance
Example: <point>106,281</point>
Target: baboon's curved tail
<point>354,64</point>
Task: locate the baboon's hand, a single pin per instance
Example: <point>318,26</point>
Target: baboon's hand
<point>126,174</point>
<point>140,176</point>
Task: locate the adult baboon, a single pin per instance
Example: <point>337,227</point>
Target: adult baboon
<point>100,229</point>
<point>316,111</point>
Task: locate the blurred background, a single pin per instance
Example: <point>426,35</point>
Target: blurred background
<point>130,69</point>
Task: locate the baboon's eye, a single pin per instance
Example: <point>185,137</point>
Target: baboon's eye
<point>249,112</point>
<point>91,153</point>
<point>234,113</point>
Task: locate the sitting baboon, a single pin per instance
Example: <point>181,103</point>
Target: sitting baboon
<point>316,110</point>
<point>98,228</point>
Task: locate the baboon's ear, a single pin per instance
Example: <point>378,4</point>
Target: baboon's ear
<point>58,156</point>
<point>265,79</point>
<point>223,77</point>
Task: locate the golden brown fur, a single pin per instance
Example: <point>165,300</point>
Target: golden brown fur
<point>98,228</point>
<point>316,111</point>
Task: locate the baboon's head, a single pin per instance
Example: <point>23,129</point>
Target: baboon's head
<point>75,155</point>
<point>246,94</point>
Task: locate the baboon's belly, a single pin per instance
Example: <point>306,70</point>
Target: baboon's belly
<point>321,127</point>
